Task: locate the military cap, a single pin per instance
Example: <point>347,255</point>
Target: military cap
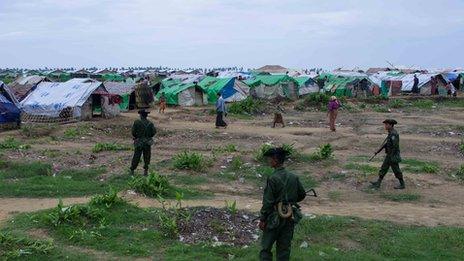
<point>390,121</point>
<point>143,111</point>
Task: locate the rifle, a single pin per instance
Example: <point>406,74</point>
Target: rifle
<point>380,149</point>
<point>314,194</point>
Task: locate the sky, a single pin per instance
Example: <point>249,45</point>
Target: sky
<point>245,33</point>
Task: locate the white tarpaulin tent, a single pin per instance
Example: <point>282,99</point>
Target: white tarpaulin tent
<point>406,79</point>
<point>50,98</point>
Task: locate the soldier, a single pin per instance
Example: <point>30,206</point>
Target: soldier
<point>393,157</point>
<point>280,211</point>
<point>143,132</point>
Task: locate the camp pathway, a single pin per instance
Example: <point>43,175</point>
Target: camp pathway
<point>404,213</point>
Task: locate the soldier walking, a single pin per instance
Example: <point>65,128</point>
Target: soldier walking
<point>393,157</point>
<point>280,211</point>
<point>143,132</point>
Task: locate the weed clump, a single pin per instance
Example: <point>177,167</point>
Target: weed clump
<point>396,103</point>
<point>99,147</point>
<point>12,143</point>
<point>461,146</point>
<point>152,186</point>
<point>423,104</point>
<point>324,152</point>
<point>107,200</point>
<point>76,215</point>
<point>248,106</point>
<point>190,161</point>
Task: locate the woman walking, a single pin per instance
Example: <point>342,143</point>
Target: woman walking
<point>333,106</point>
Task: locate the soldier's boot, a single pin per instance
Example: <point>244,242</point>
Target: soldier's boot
<point>376,184</point>
<point>145,172</point>
<point>401,185</point>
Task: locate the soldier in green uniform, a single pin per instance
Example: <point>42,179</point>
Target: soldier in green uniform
<point>393,157</point>
<point>280,211</point>
<point>143,132</point>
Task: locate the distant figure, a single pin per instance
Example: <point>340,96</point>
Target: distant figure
<point>221,111</point>
<point>332,113</point>
<point>278,118</point>
<point>452,90</point>
<point>415,87</point>
<point>162,103</point>
<point>434,85</point>
<point>143,132</point>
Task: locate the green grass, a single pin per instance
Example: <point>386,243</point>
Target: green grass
<point>362,168</point>
<point>460,173</point>
<point>423,104</point>
<point>461,146</point>
<point>99,147</point>
<point>396,103</point>
<point>12,143</point>
<point>380,108</point>
<point>403,197</point>
<point>35,179</point>
<point>133,232</point>
<point>418,166</point>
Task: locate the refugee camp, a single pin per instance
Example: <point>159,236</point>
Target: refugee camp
<point>231,130</point>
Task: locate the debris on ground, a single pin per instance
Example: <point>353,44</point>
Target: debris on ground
<point>219,227</point>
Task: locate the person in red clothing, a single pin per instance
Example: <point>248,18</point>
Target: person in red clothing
<point>332,107</point>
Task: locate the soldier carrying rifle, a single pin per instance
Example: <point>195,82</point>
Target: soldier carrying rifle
<point>392,158</point>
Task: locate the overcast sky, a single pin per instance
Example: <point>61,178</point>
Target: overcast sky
<point>249,33</point>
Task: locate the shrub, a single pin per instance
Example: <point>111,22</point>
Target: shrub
<point>324,152</point>
<point>313,100</point>
<point>99,147</point>
<point>229,148</point>
<point>232,207</point>
<point>248,106</point>
<point>152,186</point>
<point>236,163</point>
<point>14,247</point>
<point>77,215</point>
<point>190,161</point>
<point>461,146</point>
<point>107,200</point>
<point>12,143</point>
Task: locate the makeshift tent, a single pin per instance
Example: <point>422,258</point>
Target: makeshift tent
<point>22,86</point>
<point>9,112</point>
<point>273,86</point>
<point>232,90</point>
<point>350,84</point>
<point>126,91</point>
<point>182,94</point>
<point>385,79</point>
<point>77,99</point>
<point>306,85</point>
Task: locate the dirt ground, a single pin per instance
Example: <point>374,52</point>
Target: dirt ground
<point>431,135</point>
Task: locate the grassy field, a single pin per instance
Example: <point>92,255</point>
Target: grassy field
<point>124,230</point>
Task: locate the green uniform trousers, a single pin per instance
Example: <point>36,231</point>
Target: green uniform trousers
<point>282,236</point>
<point>387,163</point>
<point>138,151</point>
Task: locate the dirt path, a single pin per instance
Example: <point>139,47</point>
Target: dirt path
<point>404,213</point>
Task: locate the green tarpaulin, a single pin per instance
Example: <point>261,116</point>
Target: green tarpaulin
<point>171,90</point>
<point>212,86</point>
<point>124,105</point>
